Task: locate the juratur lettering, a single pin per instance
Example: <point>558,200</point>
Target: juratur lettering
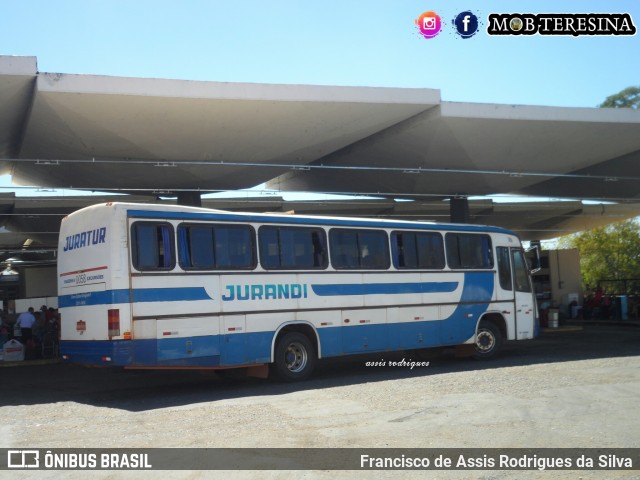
<point>86,239</point>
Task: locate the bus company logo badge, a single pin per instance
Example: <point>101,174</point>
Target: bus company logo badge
<point>429,24</point>
<point>568,24</point>
<point>81,326</point>
<point>466,24</point>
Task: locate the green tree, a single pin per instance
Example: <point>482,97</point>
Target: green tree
<point>627,98</point>
<point>611,252</point>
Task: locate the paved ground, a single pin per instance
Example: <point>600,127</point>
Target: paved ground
<point>566,389</point>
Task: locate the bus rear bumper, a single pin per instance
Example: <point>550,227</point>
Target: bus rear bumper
<point>108,352</point>
<point>135,353</point>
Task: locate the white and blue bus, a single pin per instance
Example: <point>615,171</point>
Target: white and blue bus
<point>157,286</point>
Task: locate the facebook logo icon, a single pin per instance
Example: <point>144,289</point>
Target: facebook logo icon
<point>466,24</point>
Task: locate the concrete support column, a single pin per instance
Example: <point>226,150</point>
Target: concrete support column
<point>459,210</point>
<point>189,199</point>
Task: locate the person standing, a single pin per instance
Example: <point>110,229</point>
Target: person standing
<point>26,321</point>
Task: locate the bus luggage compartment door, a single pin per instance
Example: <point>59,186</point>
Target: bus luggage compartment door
<point>172,342</point>
<point>364,330</point>
<point>234,339</point>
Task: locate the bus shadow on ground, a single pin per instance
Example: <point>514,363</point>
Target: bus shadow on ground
<point>145,390</point>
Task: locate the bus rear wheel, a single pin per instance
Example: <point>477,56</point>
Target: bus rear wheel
<point>295,357</point>
<point>488,341</point>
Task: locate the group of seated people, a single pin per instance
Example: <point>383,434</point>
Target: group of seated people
<point>600,305</point>
<point>597,305</point>
<point>33,329</point>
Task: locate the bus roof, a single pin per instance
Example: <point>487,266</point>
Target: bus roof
<point>180,212</point>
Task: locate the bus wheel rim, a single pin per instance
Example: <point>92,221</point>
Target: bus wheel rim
<point>485,341</point>
<point>295,357</point>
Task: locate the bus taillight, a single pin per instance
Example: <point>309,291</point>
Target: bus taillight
<point>113,316</point>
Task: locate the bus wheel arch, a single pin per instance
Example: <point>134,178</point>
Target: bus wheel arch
<point>295,352</point>
<point>490,336</point>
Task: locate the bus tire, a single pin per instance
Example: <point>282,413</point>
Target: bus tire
<point>488,341</point>
<point>295,357</point>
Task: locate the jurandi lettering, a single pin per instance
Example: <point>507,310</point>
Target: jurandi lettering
<point>265,292</point>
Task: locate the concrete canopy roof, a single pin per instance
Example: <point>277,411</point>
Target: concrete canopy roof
<point>107,133</point>
<point>153,137</point>
<point>460,149</point>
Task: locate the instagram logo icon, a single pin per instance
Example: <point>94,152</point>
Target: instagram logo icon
<point>429,24</point>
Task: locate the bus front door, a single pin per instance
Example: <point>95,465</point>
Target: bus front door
<point>524,298</point>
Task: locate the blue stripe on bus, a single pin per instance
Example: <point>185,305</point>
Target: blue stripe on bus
<point>342,289</point>
<point>106,297</point>
<point>110,297</point>
<point>476,298</point>
<point>255,347</point>
<point>170,294</point>
<point>478,287</point>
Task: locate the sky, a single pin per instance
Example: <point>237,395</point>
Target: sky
<point>373,43</point>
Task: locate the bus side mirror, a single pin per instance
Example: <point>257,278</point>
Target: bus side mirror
<point>533,259</point>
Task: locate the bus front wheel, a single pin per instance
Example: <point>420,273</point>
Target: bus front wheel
<point>295,357</point>
<point>488,341</point>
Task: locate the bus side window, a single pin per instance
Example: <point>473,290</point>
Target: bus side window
<point>234,247</point>
<point>152,247</point>
<point>289,248</point>
<point>504,268</point>
<point>469,251</point>
<point>196,247</point>
<point>355,249</point>
<point>269,247</point>
<point>374,250</point>
<point>418,250</point>
<point>221,247</point>
<point>344,249</point>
